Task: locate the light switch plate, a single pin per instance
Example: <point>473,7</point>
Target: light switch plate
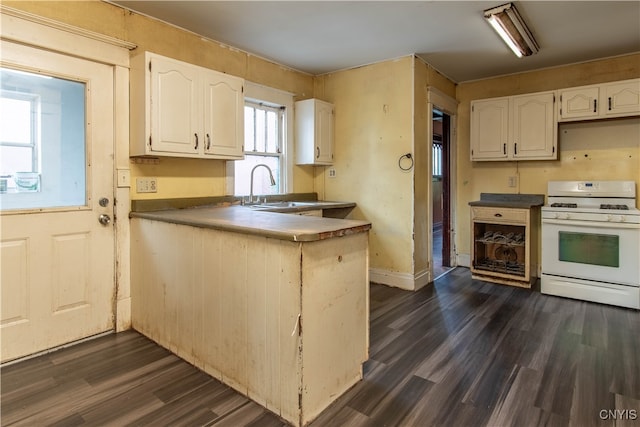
<point>124,178</point>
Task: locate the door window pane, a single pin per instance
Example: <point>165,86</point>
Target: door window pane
<point>42,141</point>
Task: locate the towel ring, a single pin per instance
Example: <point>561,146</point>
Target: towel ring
<point>408,156</point>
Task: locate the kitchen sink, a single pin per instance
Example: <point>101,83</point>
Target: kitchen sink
<point>290,204</point>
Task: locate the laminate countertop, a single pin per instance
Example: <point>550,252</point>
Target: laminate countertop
<point>261,221</point>
<point>507,200</point>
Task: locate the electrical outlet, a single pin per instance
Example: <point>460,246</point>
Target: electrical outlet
<point>513,181</point>
<point>332,172</point>
<point>146,185</point>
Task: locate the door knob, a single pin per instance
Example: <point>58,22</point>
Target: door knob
<point>104,219</point>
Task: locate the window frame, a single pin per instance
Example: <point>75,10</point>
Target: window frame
<point>259,94</point>
<point>34,123</point>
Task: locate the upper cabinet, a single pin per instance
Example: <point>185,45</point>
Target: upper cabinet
<point>183,110</point>
<point>519,127</point>
<point>601,101</point>
<point>314,132</point>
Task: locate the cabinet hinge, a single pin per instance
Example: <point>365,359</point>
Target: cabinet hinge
<point>149,141</point>
<point>473,108</point>
<point>149,65</point>
<point>554,98</point>
<point>553,149</point>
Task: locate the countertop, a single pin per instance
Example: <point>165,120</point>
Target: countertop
<point>262,222</point>
<point>508,200</point>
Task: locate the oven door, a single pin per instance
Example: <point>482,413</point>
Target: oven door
<point>601,251</point>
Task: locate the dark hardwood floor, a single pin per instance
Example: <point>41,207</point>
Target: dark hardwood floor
<point>458,352</point>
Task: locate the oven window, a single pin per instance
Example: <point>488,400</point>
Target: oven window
<point>586,248</point>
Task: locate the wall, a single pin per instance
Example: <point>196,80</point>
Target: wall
<point>179,177</point>
<point>381,113</point>
<point>373,128</point>
<point>587,150</point>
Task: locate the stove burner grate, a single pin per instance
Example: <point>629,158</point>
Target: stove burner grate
<point>618,207</point>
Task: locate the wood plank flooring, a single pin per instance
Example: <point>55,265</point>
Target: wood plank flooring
<point>459,352</point>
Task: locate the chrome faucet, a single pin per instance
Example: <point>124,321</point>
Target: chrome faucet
<point>273,181</point>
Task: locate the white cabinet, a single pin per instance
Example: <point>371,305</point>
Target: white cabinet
<point>314,132</point>
<point>519,127</point>
<point>182,110</point>
<point>579,103</point>
<point>489,129</point>
<point>621,98</point>
<point>616,99</point>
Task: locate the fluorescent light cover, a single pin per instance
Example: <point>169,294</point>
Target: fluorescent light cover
<point>506,21</point>
<point>503,34</point>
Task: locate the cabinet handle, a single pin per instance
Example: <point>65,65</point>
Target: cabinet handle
<point>609,103</point>
<point>196,135</point>
<point>208,141</point>
<point>504,149</point>
<point>499,215</point>
<point>595,104</point>
<point>317,152</point>
<point>515,149</point>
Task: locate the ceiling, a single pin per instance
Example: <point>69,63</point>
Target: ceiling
<point>319,37</point>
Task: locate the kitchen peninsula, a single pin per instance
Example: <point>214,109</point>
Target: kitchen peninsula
<point>272,304</point>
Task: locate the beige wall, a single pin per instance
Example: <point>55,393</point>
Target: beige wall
<point>373,128</point>
<point>381,113</point>
<point>179,177</point>
<point>587,150</point>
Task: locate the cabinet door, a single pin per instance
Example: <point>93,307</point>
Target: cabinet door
<point>622,99</point>
<point>489,129</point>
<point>579,103</point>
<point>533,128</point>
<point>175,107</point>
<point>324,133</point>
<point>223,116</point>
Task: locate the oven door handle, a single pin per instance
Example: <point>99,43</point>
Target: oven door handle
<point>601,224</point>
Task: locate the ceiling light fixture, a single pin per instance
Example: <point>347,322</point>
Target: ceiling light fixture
<point>509,25</point>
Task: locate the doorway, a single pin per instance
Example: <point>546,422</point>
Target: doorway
<point>441,192</point>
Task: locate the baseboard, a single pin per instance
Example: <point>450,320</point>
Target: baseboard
<point>395,279</point>
<point>123,314</point>
<point>464,260</point>
<point>422,279</point>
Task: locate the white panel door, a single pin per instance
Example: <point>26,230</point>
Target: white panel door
<point>57,259</point>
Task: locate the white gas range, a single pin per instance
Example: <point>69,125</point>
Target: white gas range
<point>591,242</point>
